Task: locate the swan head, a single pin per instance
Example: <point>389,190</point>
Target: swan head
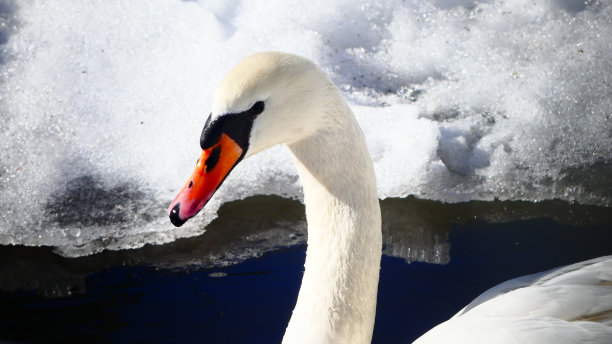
<point>266,99</point>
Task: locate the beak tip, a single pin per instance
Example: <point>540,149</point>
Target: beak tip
<point>175,218</point>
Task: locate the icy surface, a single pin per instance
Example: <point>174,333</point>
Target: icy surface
<point>102,104</point>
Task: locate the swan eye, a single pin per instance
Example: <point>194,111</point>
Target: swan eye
<point>257,108</point>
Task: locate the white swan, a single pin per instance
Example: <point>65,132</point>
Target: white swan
<point>571,304</point>
<point>271,98</point>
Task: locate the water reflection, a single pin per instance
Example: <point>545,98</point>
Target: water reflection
<point>415,230</point>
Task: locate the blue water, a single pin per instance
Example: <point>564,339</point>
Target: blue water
<point>251,302</point>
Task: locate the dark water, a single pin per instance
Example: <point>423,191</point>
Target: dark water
<point>238,282</point>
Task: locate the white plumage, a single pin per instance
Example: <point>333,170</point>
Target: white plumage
<point>337,300</point>
<point>571,304</point>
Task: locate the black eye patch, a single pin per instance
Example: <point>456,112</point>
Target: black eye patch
<point>211,133</point>
<point>207,121</point>
<point>237,126</point>
<point>257,108</point>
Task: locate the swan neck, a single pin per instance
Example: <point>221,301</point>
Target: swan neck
<point>337,300</point>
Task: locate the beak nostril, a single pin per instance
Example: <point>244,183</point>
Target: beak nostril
<point>190,184</point>
<point>213,158</point>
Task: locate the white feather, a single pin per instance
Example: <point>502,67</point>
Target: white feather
<point>571,304</point>
<point>337,300</point>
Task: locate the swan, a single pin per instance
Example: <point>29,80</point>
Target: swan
<point>271,98</point>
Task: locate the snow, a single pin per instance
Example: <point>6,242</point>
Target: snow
<point>102,104</point>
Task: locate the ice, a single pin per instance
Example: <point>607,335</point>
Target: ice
<point>102,104</point>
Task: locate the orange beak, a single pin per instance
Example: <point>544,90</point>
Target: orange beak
<point>212,167</point>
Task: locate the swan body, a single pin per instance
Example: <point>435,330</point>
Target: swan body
<point>275,98</point>
<point>571,304</point>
